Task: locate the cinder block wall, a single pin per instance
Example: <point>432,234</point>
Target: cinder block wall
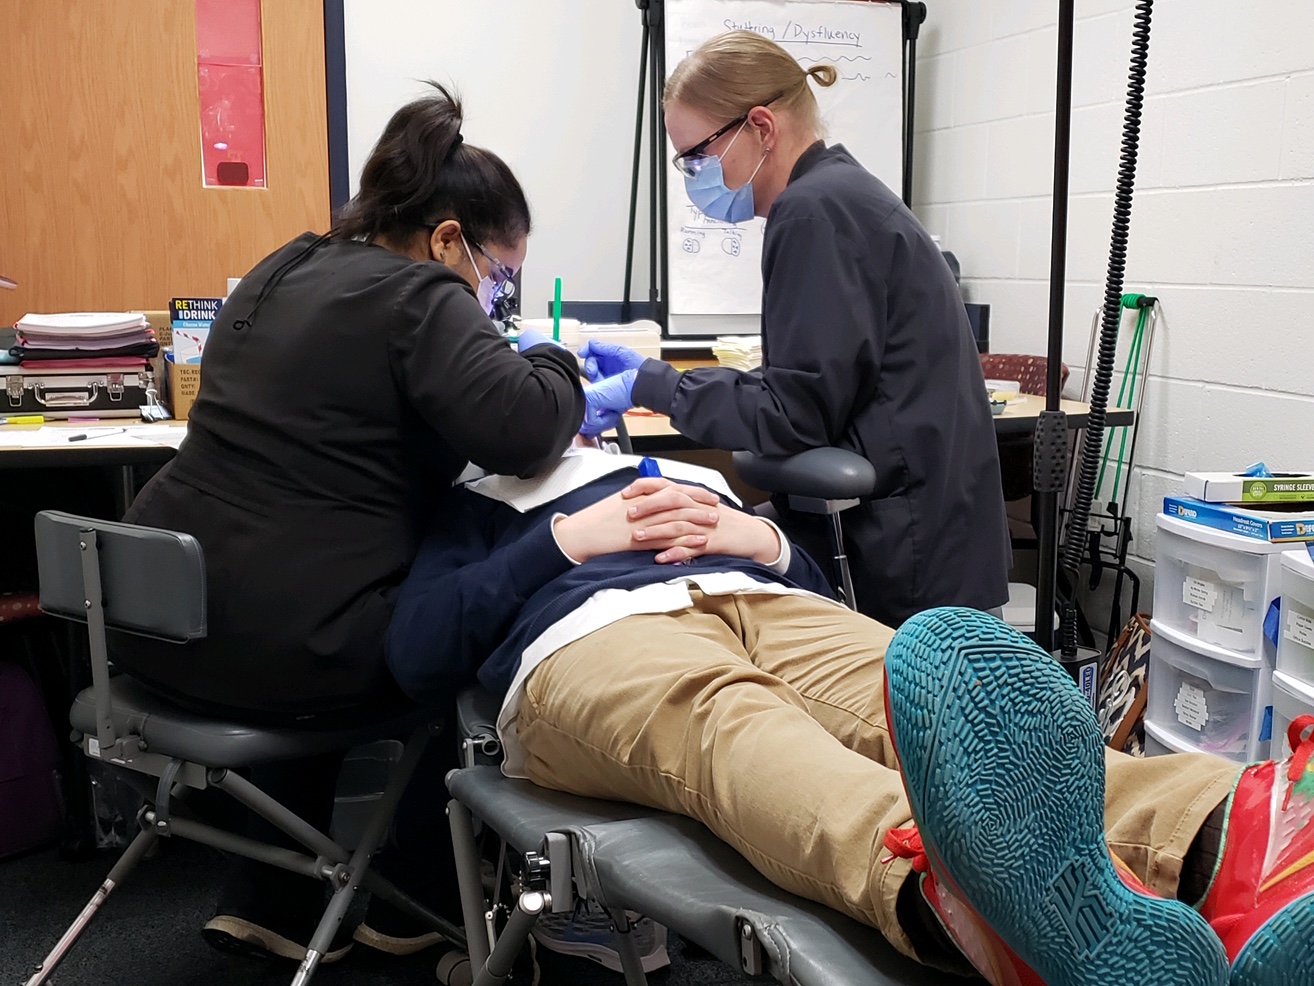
<point>1222,226</point>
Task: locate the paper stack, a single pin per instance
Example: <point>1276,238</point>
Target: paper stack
<point>80,340</point>
<point>738,352</point>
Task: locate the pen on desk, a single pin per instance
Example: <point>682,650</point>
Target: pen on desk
<point>23,419</point>
<point>98,433</point>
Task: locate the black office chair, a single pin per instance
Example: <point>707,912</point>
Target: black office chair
<point>151,582</point>
<point>824,481</point>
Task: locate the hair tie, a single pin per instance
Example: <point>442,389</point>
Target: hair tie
<point>456,142</point>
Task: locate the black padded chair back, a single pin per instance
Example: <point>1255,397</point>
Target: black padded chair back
<point>152,581</point>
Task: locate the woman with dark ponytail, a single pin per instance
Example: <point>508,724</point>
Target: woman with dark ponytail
<point>865,341</point>
<point>349,378</point>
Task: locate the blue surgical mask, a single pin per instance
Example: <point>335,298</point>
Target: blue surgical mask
<point>708,192</point>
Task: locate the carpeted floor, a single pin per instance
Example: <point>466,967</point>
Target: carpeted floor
<point>149,932</point>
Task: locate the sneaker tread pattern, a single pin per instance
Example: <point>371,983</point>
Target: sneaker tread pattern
<point>1004,767</point>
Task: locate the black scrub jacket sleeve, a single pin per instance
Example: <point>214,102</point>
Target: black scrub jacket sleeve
<point>826,308</point>
<point>504,411</point>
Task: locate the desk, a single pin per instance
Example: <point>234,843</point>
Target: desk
<point>653,432</point>
<point>1020,418</point>
<point>46,446</point>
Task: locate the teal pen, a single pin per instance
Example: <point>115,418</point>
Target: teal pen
<point>648,467</point>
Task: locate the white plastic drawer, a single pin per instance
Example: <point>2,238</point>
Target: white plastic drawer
<point>1211,699</point>
<point>1295,653</point>
<point>1291,698</point>
<point>1214,586</point>
<point>1159,741</point>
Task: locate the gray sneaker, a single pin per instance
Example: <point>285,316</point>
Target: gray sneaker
<point>588,933</point>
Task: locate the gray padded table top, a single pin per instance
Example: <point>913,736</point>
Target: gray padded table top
<point>678,873</point>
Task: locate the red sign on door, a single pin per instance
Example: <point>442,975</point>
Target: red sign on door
<point>231,83</point>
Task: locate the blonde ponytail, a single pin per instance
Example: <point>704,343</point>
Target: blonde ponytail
<point>823,75</point>
<point>731,73</point>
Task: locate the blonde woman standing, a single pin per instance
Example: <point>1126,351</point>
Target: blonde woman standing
<point>866,345</point>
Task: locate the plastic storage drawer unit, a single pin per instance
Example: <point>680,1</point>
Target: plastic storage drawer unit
<point>1291,698</point>
<point>1214,586</point>
<point>1214,700</point>
<point>1295,653</point>
<point>1159,741</point>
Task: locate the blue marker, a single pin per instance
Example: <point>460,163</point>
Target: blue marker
<point>648,467</point>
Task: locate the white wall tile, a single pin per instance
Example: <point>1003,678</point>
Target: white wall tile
<point>1245,235</point>
<point>1145,496</point>
<point>1201,427</point>
<point>1094,8</point>
<point>954,24</point>
<point>934,94</point>
<point>1018,313</point>
<point>933,218</point>
<point>1196,43</point>
<point>1232,134</point>
<point>1101,54</point>
<point>1020,16</point>
<point>1298,128</point>
<point>983,235</point>
<point>1035,220</point>
<point>1150,141</point>
<point>951,165</point>
<point>1020,157</point>
<point>1246,337</point>
<point>991,81</point>
<point>1090,221</point>
<point>1096,141</point>
<point>1042,70</point>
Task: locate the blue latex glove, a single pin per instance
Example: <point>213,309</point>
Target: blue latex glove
<point>606,359</point>
<point>529,338</point>
<point>605,401</point>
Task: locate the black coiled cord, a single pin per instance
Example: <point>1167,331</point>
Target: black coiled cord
<point>1075,540</point>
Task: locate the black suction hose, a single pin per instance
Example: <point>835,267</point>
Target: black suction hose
<point>1078,519</point>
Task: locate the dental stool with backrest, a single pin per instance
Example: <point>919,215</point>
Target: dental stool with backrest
<point>149,582</point>
<point>627,858</point>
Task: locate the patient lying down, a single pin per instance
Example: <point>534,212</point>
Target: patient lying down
<point>654,642</point>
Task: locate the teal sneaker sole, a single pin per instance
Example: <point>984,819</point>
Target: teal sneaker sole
<point>1004,768</point>
<point>1282,951</point>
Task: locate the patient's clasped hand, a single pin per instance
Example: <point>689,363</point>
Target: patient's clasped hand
<point>945,784</point>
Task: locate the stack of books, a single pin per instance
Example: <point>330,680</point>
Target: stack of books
<point>738,352</point>
<point>82,341</point>
<point>1256,503</point>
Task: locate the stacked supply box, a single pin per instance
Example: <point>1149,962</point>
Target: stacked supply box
<point>1211,669</point>
<point>190,327</point>
<point>1293,681</point>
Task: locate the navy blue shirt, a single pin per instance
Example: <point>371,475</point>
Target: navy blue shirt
<point>866,347</point>
<point>489,580</point>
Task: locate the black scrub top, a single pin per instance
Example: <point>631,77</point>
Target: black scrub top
<point>361,386</point>
<point>867,347</point>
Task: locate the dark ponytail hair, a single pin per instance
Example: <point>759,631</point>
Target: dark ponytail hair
<point>421,173</point>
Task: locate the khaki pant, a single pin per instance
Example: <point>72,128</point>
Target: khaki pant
<point>762,716</point>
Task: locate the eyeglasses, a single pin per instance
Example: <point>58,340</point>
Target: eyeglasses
<point>502,275</point>
<point>688,162</point>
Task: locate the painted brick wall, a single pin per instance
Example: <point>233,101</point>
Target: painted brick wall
<point>1222,226</point>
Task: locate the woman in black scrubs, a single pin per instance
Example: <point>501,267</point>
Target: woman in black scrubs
<point>348,379</point>
<point>865,341</point>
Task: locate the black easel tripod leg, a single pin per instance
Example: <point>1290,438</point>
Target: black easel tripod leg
<point>634,174</point>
